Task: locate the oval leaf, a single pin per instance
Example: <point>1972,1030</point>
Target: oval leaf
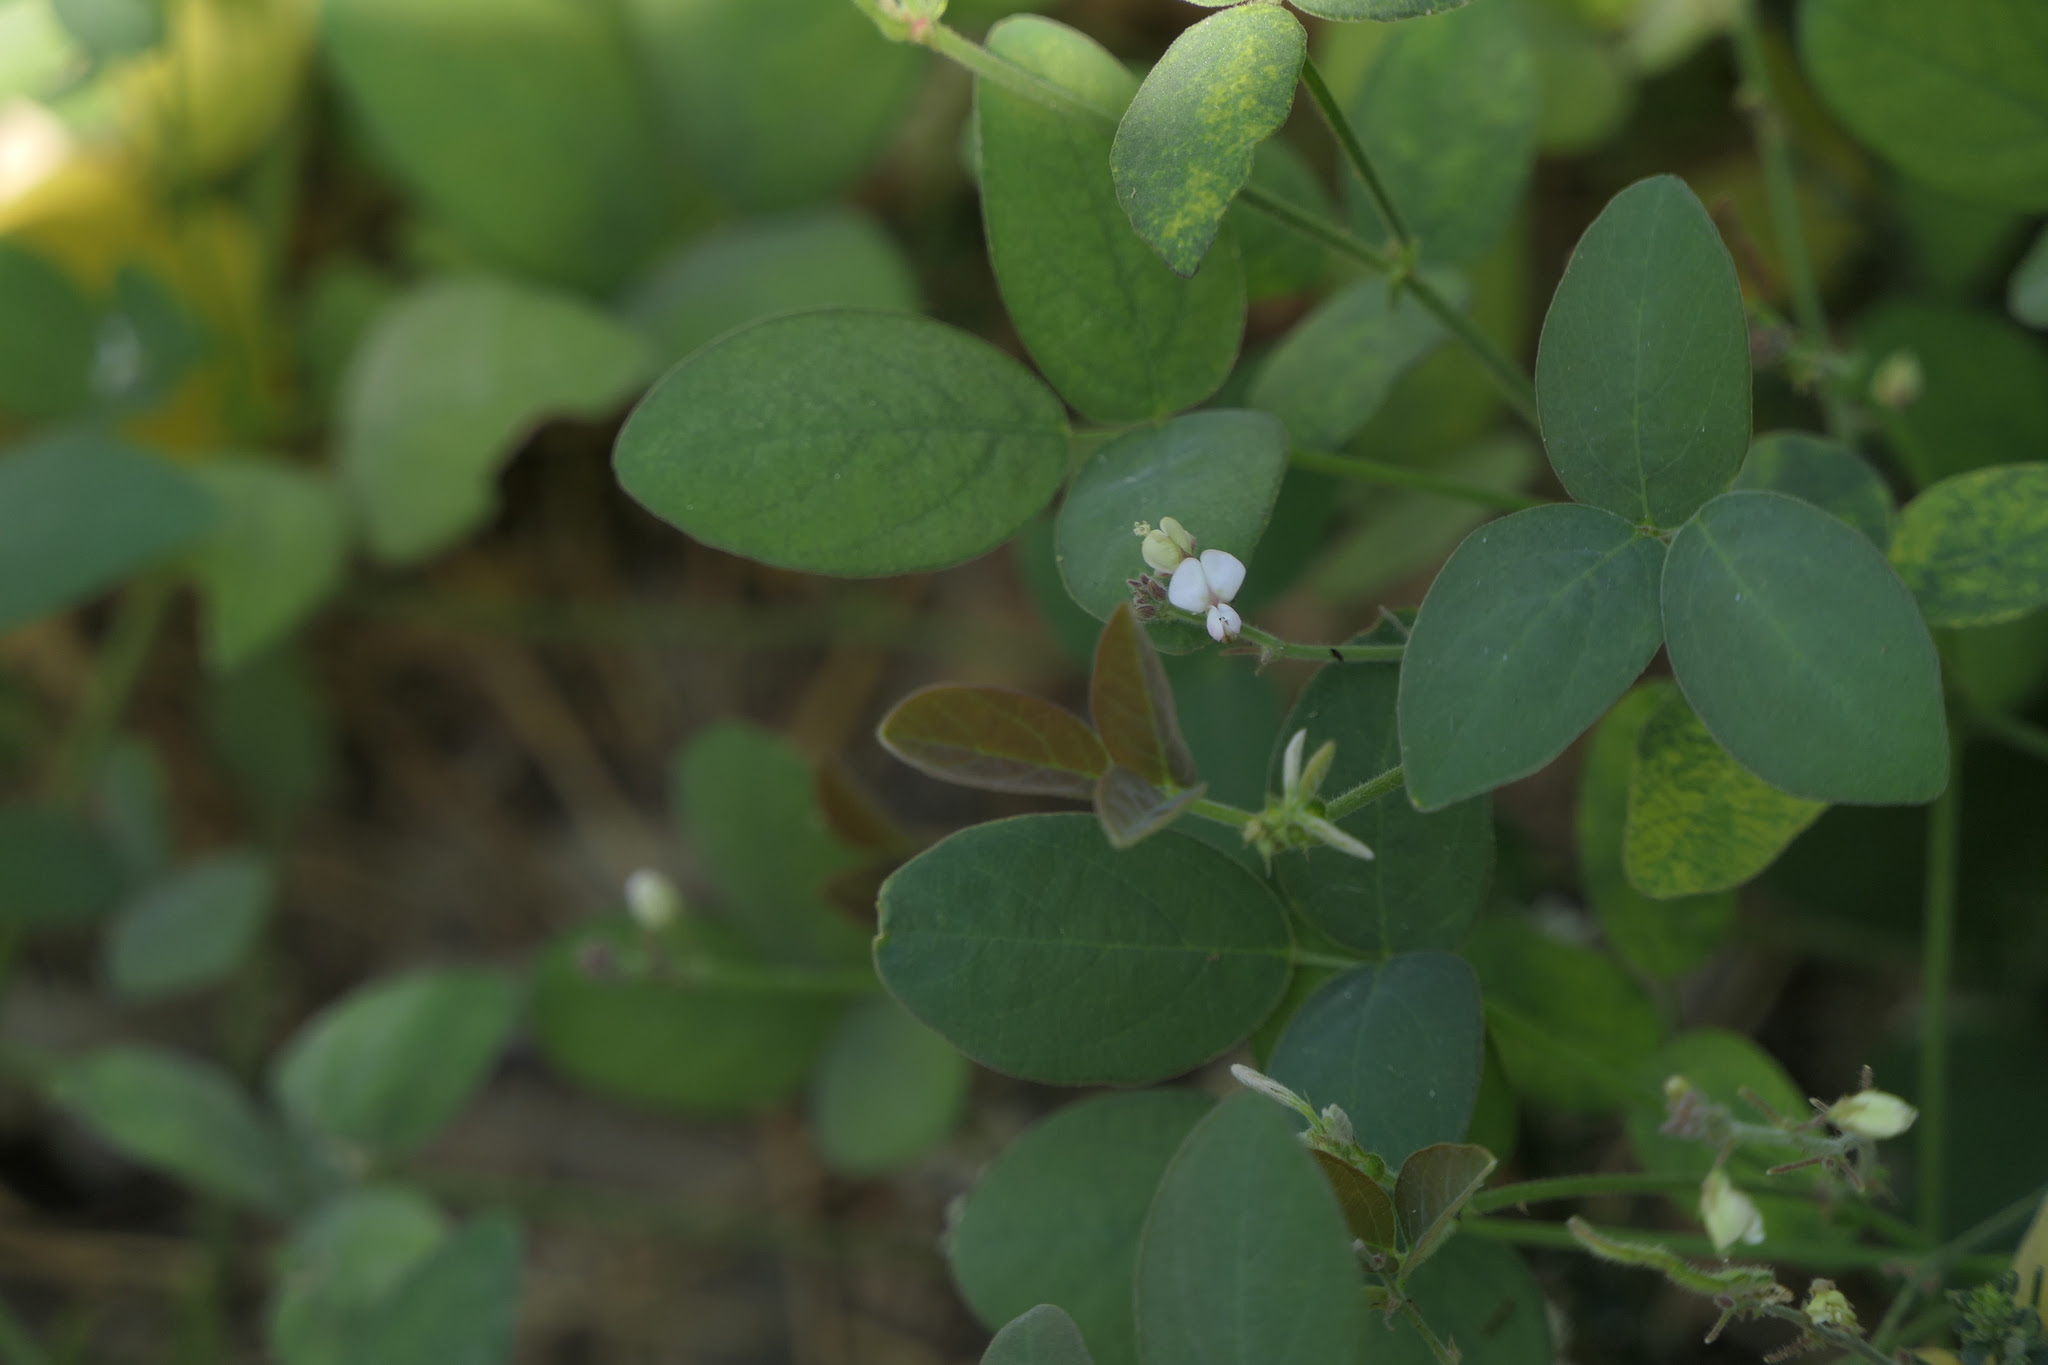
<point>996,739</point>
<point>387,1066</point>
<point>1120,335</point>
<point>1431,873</point>
<point>1956,95</point>
<point>1246,1259</point>
<point>1973,549</point>
<point>887,1090</point>
<point>1642,375</point>
<point>1804,654</point>
<point>276,550</point>
<point>340,1267</point>
<point>905,445</point>
<point>1037,949</point>
<point>192,929</point>
<point>1056,1218</point>
<point>80,512</point>
<point>1827,474</point>
<point>459,1304</point>
<point>1398,1046</point>
<point>1698,821</point>
<point>1043,1336</point>
<point>1133,706</point>
<point>1433,1185</point>
<point>1538,622</point>
<point>1368,1209</point>
<point>1332,371</point>
<point>1216,472</point>
<point>1184,147</point>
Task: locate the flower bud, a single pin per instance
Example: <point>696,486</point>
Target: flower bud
<point>1318,767</point>
<point>1872,1114</point>
<point>1178,534</point>
<point>1897,380</point>
<point>1827,1306</point>
<point>1290,763</point>
<point>652,900</point>
<point>1730,1215</point>
<point>1161,553</point>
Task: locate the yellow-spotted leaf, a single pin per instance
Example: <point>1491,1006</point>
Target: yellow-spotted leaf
<point>1974,548</point>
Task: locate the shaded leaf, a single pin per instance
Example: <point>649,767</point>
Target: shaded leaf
<point>1037,949</point>
<point>1333,369</point>
<point>275,551</point>
<point>1277,260</point>
<point>54,869</point>
<point>1184,147</point>
<point>1130,808</point>
<point>192,929</point>
<point>48,337</point>
<point>340,1267</point>
<point>1973,549</point>
<point>1133,706</point>
<point>1113,328</point>
<point>1534,627</point>
<point>909,445</point>
<point>1368,1209</point>
<point>994,738</point>
<point>1827,474</point>
<point>2026,295</point>
<point>1642,376</point>
<point>1056,1218</point>
<point>1398,1046</point>
<point>457,1306</point>
<point>1481,1296</point>
<point>1434,1184</point>
<point>1984,394</point>
<point>886,1091</point>
<point>1043,1336</point>
<point>1246,1259</point>
<point>1803,653</point>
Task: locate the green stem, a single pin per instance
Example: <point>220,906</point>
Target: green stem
<point>1301,957</point>
<point>1421,480</point>
<point>1774,150</point>
<point>1593,1186</point>
<point>1018,80</point>
<point>1937,957</point>
<point>2031,740</point>
<point>1364,794</point>
<point>1277,648</point>
<point>137,618</point>
<point>1220,813</point>
<point>1353,149</point>
<point>785,980</point>
<point>1809,1255</point>
<point>1409,1311</point>
<point>1834,1336</point>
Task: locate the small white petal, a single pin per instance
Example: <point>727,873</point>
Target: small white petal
<point>1225,571</point>
<point>1336,838</point>
<point>1190,587</point>
<point>1224,623</point>
<point>1290,763</point>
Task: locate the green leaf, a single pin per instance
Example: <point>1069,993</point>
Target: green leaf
<point>518,123</point>
<point>449,382</point>
<point>2026,296</point>
<point>1043,1336</point>
<point>605,1018</point>
<point>1352,11</point>
<point>1480,1295</point>
<point>746,272</point>
<point>1447,112</point>
<point>1698,821</point>
<point>1397,1046</point>
<point>1431,873</point>
<point>1246,1259</point>
<point>79,512</point>
<point>1973,549</point>
<point>1538,622</point>
<point>1571,1029</point>
<point>1227,712</point>
<point>775,103</point>
<point>1037,949</point>
<point>1184,147</point>
<point>458,1306</point>
<point>1333,370</point>
<point>186,1118</point>
<point>887,1090</point>
<point>1277,260</point>
<point>994,738</point>
<point>1984,399</point>
<point>906,445</point>
<point>1056,1218</point>
<point>111,28</point>
<point>273,736</point>
<point>1660,938</point>
<point>1368,1209</point>
<point>55,869</point>
<point>1215,472</point>
<point>1955,95</point>
<point>341,1266</point>
<point>276,550</point>
<point>1827,474</point>
<point>1133,705</point>
<point>387,1066</point>
<point>1130,808</point>
<point>1120,335</point>
<point>190,930</point>
<point>1642,375</point>
<point>1804,654</point>
<point>748,801</point>
<point>131,810</point>
<point>1434,1184</point>
<point>48,338</point>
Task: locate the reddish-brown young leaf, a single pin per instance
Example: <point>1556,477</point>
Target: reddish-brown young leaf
<point>1133,706</point>
<point>1368,1211</point>
<point>1131,808</point>
<point>994,738</point>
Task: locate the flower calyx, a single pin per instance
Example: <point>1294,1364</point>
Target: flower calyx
<point>1296,818</point>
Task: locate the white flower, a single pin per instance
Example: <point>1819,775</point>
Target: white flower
<point>1166,547</point>
<point>1730,1215</point>
<point>652,900</point>
<point>1872,1114</point>
<point>1206,584</point>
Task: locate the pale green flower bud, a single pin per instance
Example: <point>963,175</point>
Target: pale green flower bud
<point>1898,380</point>
<point>1872,1114</point>
<point>1827,1306</point>
<point>1160,552</point>
<point>652,900</point>
<point>1730,1215</point>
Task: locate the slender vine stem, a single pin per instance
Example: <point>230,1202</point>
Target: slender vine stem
<point>138,617</point>
<point>1275,647</point>
<point>2031,740</point>
<point>1421,480</point>
<point>1220,813</point>
<point>1835,1336</point>
<point>1444,1355</point>
<point>1302,957</point>
<point>1354,150</point>
<point>1937,958</point>
<point>1777,1251</point>
<point>1364,794</point>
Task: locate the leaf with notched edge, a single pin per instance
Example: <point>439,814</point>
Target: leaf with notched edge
<point>997,739</point>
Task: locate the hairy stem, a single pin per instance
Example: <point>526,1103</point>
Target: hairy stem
<point>1219,812</point>
<point>1364,794</point>
<point>1421,480</point>
<point>1835,1336</point>
<point>1277,648</point>
<point>1937,954</point>
<point>1775,1251</point>
<point>1353,149</point>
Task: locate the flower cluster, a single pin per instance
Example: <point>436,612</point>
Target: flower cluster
<point>1199,582</point>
